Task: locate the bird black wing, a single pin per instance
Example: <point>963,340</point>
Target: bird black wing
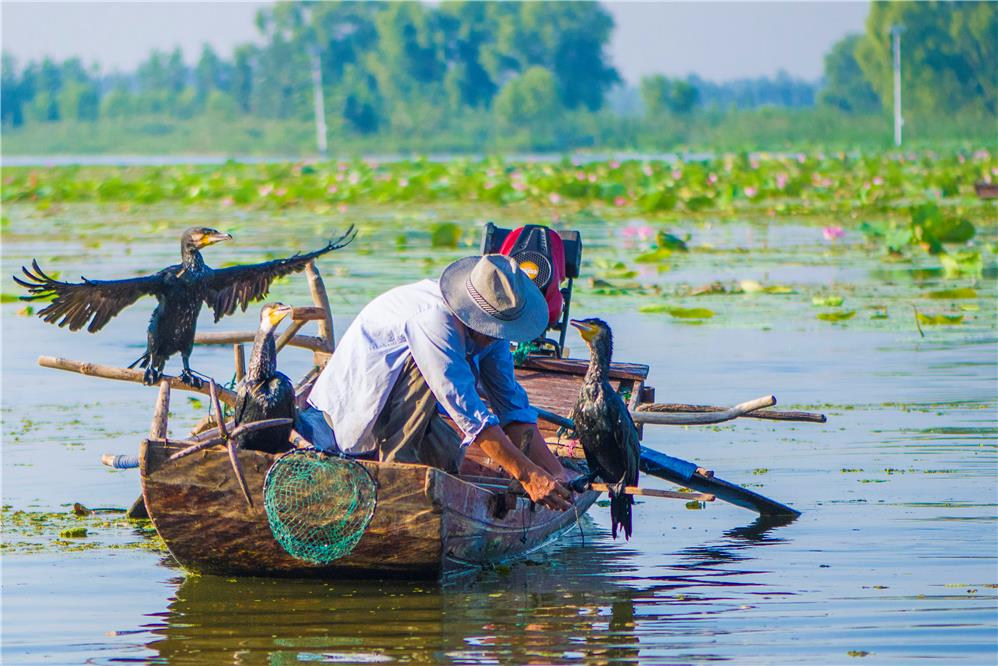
<point>630,444</point>
<point>93,301</point>
<point>238,286</point>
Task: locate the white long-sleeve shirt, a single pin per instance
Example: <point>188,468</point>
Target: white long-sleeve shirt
<point>413,320</point>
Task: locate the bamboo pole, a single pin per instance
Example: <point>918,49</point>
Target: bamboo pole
<point>516,488</point>
<point>289,334</point>
<point>703,418</point>
<point>770,414</point>
<point>158,427</point>
<point>126,375</point>
<point>310,342</point>
<point>319,296</point>
<point>239,352</point>
<point>655,492</point>
<point>307,314</point>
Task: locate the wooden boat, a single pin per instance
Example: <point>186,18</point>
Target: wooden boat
<point>427,523</point>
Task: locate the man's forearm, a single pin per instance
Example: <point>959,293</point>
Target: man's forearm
<point>537,449</point>
<point>498,446</point>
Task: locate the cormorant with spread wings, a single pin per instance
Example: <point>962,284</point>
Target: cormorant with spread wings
<point>180,289</point>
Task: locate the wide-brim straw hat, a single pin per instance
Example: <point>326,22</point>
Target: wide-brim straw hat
<point>492,296</point>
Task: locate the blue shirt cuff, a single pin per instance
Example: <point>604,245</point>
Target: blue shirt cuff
<point>521,415</point>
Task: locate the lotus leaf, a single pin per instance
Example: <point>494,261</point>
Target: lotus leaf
<point>836,316</point>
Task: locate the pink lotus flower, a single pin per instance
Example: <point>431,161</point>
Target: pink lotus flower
<point>754,163</point>
<point>620,201</point>
<point>877,180</point>
<point>228,201</point>
<point>676,174</point>
<point>580,175</point>
<point>592,178</point>
<point>342,208</point>
<point>554,198</point>
<point>403,182</point>
<point>281,191</point>
<point>833,232</point>
<point>641,232</point>
<point>711,178</point>
<point>332,189</point>
<point>519,186</point>
<point>264,190</point>
<point>781,180</point>
<point>750,191</point>
<point>354,178</point>
<point>614,164</point>
<point>647,170</point>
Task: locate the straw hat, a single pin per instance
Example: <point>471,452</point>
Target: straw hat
<point>492,296</point>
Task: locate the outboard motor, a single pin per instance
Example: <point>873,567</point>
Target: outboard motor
<point>549,258</point>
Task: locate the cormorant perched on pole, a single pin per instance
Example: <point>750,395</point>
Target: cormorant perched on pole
<point>604,426</point>
<point>180,290</point>
<point>264,392</point>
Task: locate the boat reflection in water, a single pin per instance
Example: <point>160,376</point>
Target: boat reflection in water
<point>581,600</point>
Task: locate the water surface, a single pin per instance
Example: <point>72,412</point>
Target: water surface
<point>892,561</point>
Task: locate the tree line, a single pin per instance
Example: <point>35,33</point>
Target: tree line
<point>418,67</point>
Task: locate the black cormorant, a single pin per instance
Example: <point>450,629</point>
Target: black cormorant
<point>180,290</point>
<point>264,392</point>
<point>604,426</point>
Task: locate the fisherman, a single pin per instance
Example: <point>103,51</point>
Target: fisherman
<point>428,347</point>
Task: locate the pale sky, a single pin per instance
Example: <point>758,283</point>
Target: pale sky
<point>716,40</point>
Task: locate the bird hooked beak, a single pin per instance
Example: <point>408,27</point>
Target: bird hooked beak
<point>212,238</point>
<point>277,313</point>
<point>587,331</point>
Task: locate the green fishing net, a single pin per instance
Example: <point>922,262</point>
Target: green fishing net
<point>318,506</point>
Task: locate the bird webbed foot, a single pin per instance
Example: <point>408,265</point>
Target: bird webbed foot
<point>151,376</point>
<point>187,377</point>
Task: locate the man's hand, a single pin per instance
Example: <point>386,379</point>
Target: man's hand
<point>539,484</point>
<point>542,488</point>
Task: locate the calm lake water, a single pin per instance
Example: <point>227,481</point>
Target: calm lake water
<point>893,560</point>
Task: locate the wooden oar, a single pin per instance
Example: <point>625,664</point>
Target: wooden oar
<point>769,414</point>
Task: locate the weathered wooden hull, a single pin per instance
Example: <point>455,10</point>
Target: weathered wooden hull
<point>427,523</point>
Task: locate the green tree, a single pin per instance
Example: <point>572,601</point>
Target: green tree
<point>662,95</point>
<point>845,86</point>
<point>529,99</point>
<point>948,55</point>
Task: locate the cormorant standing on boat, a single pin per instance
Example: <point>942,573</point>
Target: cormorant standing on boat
<point>180,290</point>
<point>264,392</point>
<point>604,426</point>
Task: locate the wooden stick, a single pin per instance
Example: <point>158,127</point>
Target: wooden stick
<point>289,334</point>
<point>703,418</point>
<point>158,427</point>
<point>239,352</point>
<point>515,488</point>
<point>195,445</point>
<point>655,492</point>
<point>125,375</point>
<point>319,296</point>
<point>770,414</point>
<point>307,313</point>
<point>310,342</point>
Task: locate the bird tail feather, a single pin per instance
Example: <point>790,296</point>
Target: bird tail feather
<point>141,361</point>
<point>620,510</point>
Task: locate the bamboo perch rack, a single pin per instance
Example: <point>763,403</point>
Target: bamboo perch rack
<point>126,375</point>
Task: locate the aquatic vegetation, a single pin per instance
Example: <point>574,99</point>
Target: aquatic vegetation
<point>77,528</point>
<point>777,184</point>
<point>831,301</point>
<point>836,316</point>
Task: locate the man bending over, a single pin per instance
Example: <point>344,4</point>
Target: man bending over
<point>432,345</point>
